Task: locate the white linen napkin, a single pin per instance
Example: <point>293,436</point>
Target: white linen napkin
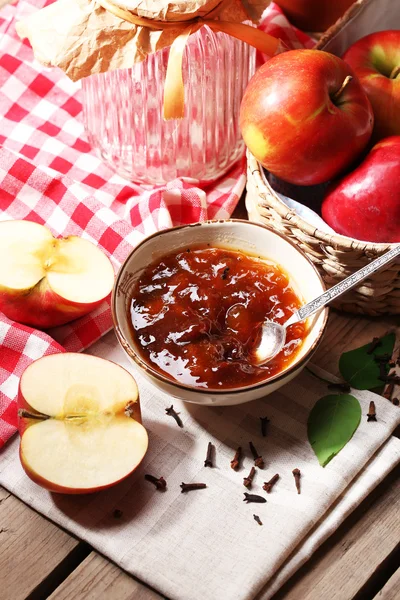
<point>205,544</point>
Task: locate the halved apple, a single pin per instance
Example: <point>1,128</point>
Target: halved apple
<point>80,423</point>
<point>46,281</point>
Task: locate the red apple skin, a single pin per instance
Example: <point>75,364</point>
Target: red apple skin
<point>375,59</point>
<point>291,124</point>
<point>41,307</point>
<point>24,423</point>
<point>314,15</point>
<point>365,204</point>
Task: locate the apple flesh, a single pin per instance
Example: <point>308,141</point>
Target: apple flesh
<point>375,59</point>
<point>305,117</point>
<point>365,204</point>
<point>46,281</point>
<point>80,423</point>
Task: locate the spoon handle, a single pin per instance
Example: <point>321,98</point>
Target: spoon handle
<point>343,286</point>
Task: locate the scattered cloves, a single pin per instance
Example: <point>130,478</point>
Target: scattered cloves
<point>225,273</point>
<point>235,462</point>
<point>264,423</point>
<point>371,415</point>
<point>297,475</point>
<point>268,485</point>
<point>159,482</point>
<point>376,342</point>
<point>188,487</point>
<point>253,498</point>
<point>117,514</point>
<point>247,481</point>
<point>208,461</point>
<point>171,412</point>
<point>257,519</point>
<point>342,388</point>
<point>258,460</point>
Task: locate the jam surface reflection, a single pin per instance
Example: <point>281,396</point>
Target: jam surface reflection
<point>196,315</point>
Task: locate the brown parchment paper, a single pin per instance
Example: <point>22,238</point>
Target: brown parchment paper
<point>82,38</point>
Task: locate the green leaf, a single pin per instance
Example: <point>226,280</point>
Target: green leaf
<point>360,369</point>
<point>331,424</point>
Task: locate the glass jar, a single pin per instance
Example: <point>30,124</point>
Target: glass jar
<point>123,112</point>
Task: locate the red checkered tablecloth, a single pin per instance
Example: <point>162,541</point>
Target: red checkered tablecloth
<point>48,174</point>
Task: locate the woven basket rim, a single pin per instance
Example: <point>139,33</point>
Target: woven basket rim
<point>336,240</point>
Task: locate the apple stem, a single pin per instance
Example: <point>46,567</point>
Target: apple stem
<point>28,415</point>
<point>342,87</point>
<point>395,72</point>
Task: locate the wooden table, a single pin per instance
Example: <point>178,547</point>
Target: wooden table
<point>360,561</point>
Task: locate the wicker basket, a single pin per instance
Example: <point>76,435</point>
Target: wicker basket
<point>336,256</point>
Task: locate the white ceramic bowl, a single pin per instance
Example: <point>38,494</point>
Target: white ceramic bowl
<point>248,237</point>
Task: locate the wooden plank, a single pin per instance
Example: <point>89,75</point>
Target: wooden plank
<point>391,591</point>
<point>31,548</point>
<point>98,579</point>
<point>345,332</point>
<point>351,558</point>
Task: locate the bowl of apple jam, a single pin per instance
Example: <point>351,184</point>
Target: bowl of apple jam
<point>188,304</point>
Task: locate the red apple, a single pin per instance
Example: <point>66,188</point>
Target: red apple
<point>314,15</point>
<point>365,204</point>
<point>305,116</point>
<point>46,281</point>
<point>80,423</point>
<point>375,59</point>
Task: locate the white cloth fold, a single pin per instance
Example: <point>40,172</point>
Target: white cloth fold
<point>205,544</point>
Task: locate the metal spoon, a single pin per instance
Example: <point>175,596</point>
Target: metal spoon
<point>273,335</point>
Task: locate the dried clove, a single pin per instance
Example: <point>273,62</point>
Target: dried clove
<point>383,376</point>
<point>235,462</point>
<point>257,519</point>
<point>225,273</point>
<point>253,498</point>
<point>388,390</point>
<point>258,460</point>
<point>297,475</point>
<point>342,388</point>
<point>247,481</point>
<point>391,378</point>
<point>264,423</point>
<point>385,358</point>
<point>371,415</point>
<point>268,485</point>
<point>159,482</point>
<point>117,514</point>
<point>376,342</point>
<point>188,487</point>
<point>172,413</point>
<point>208,461</point>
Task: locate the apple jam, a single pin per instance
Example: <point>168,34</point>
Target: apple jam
<point>196,316</point>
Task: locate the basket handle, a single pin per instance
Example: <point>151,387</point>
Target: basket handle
<point>343,286</point>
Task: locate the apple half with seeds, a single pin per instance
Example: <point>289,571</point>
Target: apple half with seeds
<point>47,281</point>
<point>80,423</point>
